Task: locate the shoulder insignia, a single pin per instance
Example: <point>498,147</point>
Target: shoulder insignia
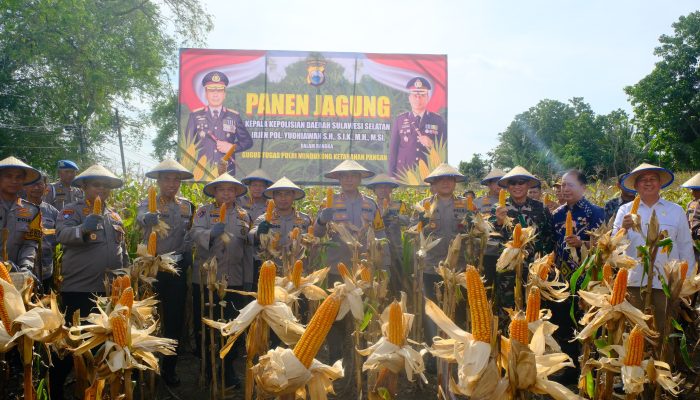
<point>198,109</point>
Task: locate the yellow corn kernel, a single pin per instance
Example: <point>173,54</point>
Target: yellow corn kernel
<point>634,347</point>
<point>296,273</point>
<point>268,211</point>
<point>470,203</point>
<point>329,198</point>
<point>534,299</point>
<point>5,272</point>
<point>152,206</point>
<point>517,236</point>
<point>365,274</point>
<point>635,204</point>
<point>684,269</point>
<point>518,329</point>
<point>119,285</point>
<point>619,287</point>
<point>343,270</point>
<point>502,198</point>
<point>4,316</point>
<point>97,206</point>
<point>607,273</point>
<point>266,283</point>
<point>120,328</point>
<point>294,234</point>
<point>152,247</point>
<point>222,213</point>
<point>310,231</point>
<point>127,298</point>
<point>395,331</point>
<point>543,272</point>
<point>229,153</point>
<point>479,308</point>
<point>317,330</point>
<point>569,225</point>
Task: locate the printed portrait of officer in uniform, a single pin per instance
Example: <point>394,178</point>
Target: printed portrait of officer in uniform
<point>415,132</point>
<point>214,128</point>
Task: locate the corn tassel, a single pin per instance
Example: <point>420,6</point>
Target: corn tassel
<point>479,307</point>
<point>607,273</point>
<point>152,206</point>
<point>317,330</point>
<point>634,347</point>
<point>534,298</point>
<point>635,205</point>
<point>395,331</point>
<point>329,198</point>
<point>518,329</point>
<point>502,198</point>
<point>152,247</point>
<point>229,153</point>
<point>269,209</point>
<point>517,236</point>
<point>569,224</point>
<point>119,329</point>
<point>266,283</point>
<point>222,213</point>
<point>97,206</point>
<point>5,272</point>
<point>343,270</point>
<point>619,287</point>
<point>4,316</point>
<point>296,273</point>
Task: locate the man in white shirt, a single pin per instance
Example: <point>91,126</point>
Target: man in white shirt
<point>648,180</point>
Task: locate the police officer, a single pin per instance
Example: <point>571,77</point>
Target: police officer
<point>232,255</point>
<point>177,212</point>
<point>415,132</point>
<point>395,216</point>
<point>215,128</point>
<point>62,192</point>
<point>284,216</point>
<point>693,210</point>
<point>43,267</point>
<point>20,220</point>
<point>93,245</point>
<point>486,202</point>
<point>255,204</point>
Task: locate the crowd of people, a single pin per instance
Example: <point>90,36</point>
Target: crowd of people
<point>36,215</point>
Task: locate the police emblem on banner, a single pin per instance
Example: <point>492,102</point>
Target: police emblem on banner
<point>315,75</point>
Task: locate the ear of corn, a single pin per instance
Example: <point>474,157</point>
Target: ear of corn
<point>268,211</point>
<point>395,331</point>
<point>534,298</point>
<point>365,274</point>
<point>479,308</point>
<point>152,207</point>
<point>343,270</point>
<point>470,203</point>
<point>317,330</point>
<point>4,316</point>
<point>222,213</point>
<point>684,269</point>
<point>634,347</point>
<point>419,227</point>
<point>502,198</point>
<point>296,273</point>
<point>229,153</point>
<point>97,206</point>
<point>266,283</point>
<point>619,287</point>
<point>119,285</point>
<point>543,272</point>
<point>607,273</point>
<point>310,231</point>
<point>329,198</point>
<point>569,225</point>
<point>127,298</point>
<point>517,236</point>
<point>152,247</point>
<point>119,329</point>
<point>518,329</point>
<point>427,205</point>
<point>294,234</point>
<point>635,204</point>
<point>275,240</point>
<point>5,272</point>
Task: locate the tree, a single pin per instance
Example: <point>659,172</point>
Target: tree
<point>475,169</point>
<point>666,102</point>
<point>65,66</point>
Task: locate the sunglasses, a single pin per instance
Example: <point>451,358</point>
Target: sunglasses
<point>517,183</point>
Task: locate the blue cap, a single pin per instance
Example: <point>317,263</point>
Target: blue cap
<point>67,164</point>
<point>418,84</point>
<point>215,79</point>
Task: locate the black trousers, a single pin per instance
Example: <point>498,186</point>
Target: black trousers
<point>172,292</point>
<point>71,302</point>
<point>565,333</point>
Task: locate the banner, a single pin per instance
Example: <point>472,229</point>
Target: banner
<point>298,114</point>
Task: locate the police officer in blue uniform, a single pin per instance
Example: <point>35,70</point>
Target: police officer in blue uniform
<point>215,128</point>
<point>415,132</point>
<point>61,192</point>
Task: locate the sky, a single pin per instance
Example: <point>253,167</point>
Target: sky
<point>503,56</point>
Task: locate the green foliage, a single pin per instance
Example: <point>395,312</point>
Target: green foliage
<point>667,101</point>
<point>65,66</point>
<point>474,169</point>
